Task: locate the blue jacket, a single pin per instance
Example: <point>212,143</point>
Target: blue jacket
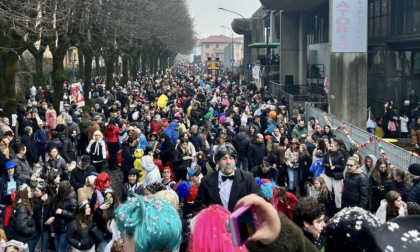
<point>317,168</point>
<point>41,136</point>
<point>142,142</point>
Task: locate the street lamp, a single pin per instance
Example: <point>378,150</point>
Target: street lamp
<point>233,57</point>
<point>267,27</point>
<point>223,9</point>
<point>72,61</point>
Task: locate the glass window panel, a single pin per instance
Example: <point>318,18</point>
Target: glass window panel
<point>377,8</point>
<point>416,63</point>
<point>377,28</point>
<point>384,26</point>
<point>384,7</point>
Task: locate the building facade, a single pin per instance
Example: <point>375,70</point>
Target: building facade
<point>220,47</point>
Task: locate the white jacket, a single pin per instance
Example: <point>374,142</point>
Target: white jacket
<point>152,171</point>
<point>381,213</point>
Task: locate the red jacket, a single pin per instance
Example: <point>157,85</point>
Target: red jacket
<point>287,208</point>
<point>111,133</point>
<point>155,126</point>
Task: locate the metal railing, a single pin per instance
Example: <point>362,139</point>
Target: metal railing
<point>398,157</point>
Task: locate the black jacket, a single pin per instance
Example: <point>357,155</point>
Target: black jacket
<point>356,190</point>
<point>69,209</point>
<point>76,234</point>
<point>208,191</point>
<point>241,144</point>
<point>69,150</point>
<point>256,153</point>
<point>198,141</point>
<point>178,159</point>
<point>337,160</point>
<point>23,229</point>
<point>101,223</point>
<point>78,176</point>
<point>42,212</point>
<point>31,149</point>
<point>272,173</point>
<point>414,194</point>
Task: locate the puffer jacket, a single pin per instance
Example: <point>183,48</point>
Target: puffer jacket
<point>256,153</point>
<point>337,160</point>
<point>241,144</point>
<point>76,234</point>
<point>102,222</point>
<point>356,190</point>
<point>24,228</point>
<point>58,164</point>
<point>42,212</point>
<point>69,209</point>
<point>414,195</point>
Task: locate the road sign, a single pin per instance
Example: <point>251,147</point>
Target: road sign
<point>249,66</point>
<point>232,61</point>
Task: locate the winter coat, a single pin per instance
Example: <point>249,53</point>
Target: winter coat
<point>378,195</point>
<point>78,176</point>
<point>42,212</point>
<point>166,148</point>
<point>91,129</point>
<point>178,161</point>
<point>287,208</point>
<point>31,148</point>
<point>317,168</point>
<point>55,142</point>
<point>111,133</point>
<point>102,222</point>
<point>337,160</point>
<point>241,143</point>
<point>364,168</point>
<point>414,195</point>
<point>292,158</point>
<point>84,125</point>
<point>198,141</point>
<point>73,126</point>
<point>356,190</point>
<point>69,208</point>
<point>402,189</point>
<point>155,126</point>
<point>24,228</point>
<point>58,164</point>
<point>76,234</point>
<point>23,167</point>
<point>69,150</point>
<point>272,173</point>
<point>256,153</point>
<point>5,198</point>
<point>300,134</point>
<point>273,143</point>
<point>128,155</point>
<point>381,214</point>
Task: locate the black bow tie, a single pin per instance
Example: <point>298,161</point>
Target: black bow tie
<point>227,177</point>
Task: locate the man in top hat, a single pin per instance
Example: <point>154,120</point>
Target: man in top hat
<point>414,195</point>
<point>227,185</point>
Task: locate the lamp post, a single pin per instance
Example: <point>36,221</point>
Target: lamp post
<point>267,64</point>
<point>249,52</point>
<point>233,57</point>
<point>72,61</point>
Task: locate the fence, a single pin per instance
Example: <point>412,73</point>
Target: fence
<point>398,157</point>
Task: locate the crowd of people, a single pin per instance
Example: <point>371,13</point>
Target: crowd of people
<point>191,149</point>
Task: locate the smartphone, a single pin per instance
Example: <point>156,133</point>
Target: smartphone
<point>242,224</point>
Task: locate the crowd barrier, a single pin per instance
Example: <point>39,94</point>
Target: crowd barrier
<point>398,157</point>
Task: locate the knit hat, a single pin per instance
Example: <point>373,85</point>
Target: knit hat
<point>69,118</point>
<point>414,169</point>
<point>272,114</point>
<point>222,119</point>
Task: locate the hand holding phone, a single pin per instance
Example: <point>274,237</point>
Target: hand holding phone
<point>269,225</point>
<point>242,224</point>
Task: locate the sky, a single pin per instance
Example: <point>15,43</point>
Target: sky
<point>208,18</point>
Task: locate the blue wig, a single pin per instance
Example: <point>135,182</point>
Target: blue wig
<point>183,189</point>
<point>154,223</point>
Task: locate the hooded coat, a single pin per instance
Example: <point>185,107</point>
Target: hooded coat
<point>152,171</point>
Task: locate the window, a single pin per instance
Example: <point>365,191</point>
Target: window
<point>217,45</point>
<point>207,55</point>
<point>379,18</point>
<point>207,45</point>
<point>317,24</point>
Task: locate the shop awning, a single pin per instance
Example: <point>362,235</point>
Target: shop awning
<point>264,45</point>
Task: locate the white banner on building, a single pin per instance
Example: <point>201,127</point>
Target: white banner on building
<point>349,24</point>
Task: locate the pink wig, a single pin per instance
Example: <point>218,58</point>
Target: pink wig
<point>209,234</point>
<point>225,103</point>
